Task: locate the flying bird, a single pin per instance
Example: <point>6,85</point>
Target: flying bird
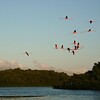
<point>66,17</point>
<point>56,46</point>
<point>62,47</point>
<point>90,21</point>
<point>27,53</point>
<point>74,32</point>
<point>68,49</point>
<point>89,30</point>
<point>78,45</point>
<point>73,52</point>
<point>74,42</point>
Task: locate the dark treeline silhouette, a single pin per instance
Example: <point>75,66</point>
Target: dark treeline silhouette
<point>18,77</point>
<point>87,81</point>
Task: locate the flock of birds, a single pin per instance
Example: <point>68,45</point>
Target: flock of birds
<point>75,43</point>
<point>76,47</point>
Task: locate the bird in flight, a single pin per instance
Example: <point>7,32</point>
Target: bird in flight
<point>27,53</point>
<point>66,18</point>
<point>90,21</point>
<point>74,32</point>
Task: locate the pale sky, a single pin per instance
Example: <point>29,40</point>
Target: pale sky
<point>36,26</point>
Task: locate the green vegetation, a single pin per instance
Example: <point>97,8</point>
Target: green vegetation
<point>17,77</point>
<point>87,81</point>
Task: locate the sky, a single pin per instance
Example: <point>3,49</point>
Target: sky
<point>36,26</point>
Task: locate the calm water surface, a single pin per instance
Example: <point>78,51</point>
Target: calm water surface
<point>46,93</point>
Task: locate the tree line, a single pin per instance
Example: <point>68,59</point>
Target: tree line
<point>87,81</point>
<point>19,77</point>
<point>60,80</point>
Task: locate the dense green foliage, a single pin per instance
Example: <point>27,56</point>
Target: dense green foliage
<point>87,81</point>
<point>17,77</point>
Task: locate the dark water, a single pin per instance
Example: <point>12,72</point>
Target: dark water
<point>46,93</point>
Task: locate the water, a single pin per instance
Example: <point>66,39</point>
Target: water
<point>46,93</point>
